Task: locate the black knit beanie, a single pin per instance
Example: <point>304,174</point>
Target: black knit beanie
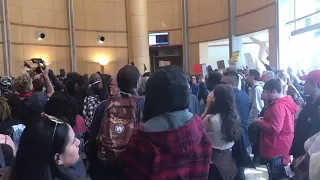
<point>167,90</point>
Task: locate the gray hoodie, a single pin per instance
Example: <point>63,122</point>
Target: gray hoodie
<point>167,121</point>
<point>256,102</point>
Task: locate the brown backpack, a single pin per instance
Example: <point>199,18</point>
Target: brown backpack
<point>118,123</point>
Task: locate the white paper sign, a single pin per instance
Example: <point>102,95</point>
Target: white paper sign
<point>249,60</point>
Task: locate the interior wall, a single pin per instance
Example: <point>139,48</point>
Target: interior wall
<point>208,21</point>
<point>221,52</point>
<point>94,18</point>
<point>218,53</point>
<point>165,16</point>
<point>254,15</point>
<point>26,17</point>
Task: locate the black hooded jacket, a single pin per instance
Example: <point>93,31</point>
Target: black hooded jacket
<point>308,124</point>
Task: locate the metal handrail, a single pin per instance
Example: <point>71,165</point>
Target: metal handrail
<point>303,17</point>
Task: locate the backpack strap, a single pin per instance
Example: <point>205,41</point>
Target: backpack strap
<point>254,87</point>
<point>2,160</point>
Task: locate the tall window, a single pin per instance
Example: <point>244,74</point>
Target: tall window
<point>306,7</point>
<point>299,34</point>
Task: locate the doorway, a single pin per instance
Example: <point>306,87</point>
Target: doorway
<point>165,55</point>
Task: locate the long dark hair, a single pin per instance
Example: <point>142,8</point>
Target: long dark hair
<point>213,80</point>
<point>39,143</point>
<point>62,106</point>
<point>224,105</point>
<point>73,80</point>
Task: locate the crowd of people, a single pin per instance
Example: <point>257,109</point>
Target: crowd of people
<point>165,125</point>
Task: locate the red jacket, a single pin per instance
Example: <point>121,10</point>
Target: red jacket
<point>277,129</point>
<point>182,153</point>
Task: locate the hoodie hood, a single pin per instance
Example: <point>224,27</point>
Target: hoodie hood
<point>167,121</point>
<point>172,130</point>
<point>288,102</point>
<point>259,83</point>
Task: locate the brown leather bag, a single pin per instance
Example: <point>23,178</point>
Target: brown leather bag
<point>116,128</point>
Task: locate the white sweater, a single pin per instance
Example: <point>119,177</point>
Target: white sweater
<point>312,146</point>
<point>256,102</point>
<point>314,167</point>
<point>213,126</point>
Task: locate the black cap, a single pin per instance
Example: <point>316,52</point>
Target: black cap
<point>167,90</point>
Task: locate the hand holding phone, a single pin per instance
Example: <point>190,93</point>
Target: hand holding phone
<point>45,71</point>
<point>37,60</point>
<point>25,64</point>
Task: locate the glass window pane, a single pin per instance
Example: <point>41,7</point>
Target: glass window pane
<point>306,7</point>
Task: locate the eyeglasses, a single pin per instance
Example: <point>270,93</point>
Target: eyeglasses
<point>55,120</point>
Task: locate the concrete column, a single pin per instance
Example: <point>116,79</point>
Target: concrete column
<point>185,35</point>
<point>138,38</point>
<point>72,43</point>
<point>6,38</point>
<point>194,54</point>
<point>232,27</point>
<point>277,33</point>
<point>235,43</point>
<point>274,42</point>
<point>273,49</point>
<point>203,53</point>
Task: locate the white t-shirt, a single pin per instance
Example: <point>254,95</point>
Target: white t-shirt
<point>213,126</point>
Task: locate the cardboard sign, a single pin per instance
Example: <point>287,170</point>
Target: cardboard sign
<point>221,64</point>
<point>204,69</point>
<point>249,60</point>
<point>235,56</point>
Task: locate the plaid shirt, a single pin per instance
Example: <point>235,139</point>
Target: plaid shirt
<point>183,154</point>
<point>89,106</point>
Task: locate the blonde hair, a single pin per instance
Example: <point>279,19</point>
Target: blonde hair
<point>22,83</point>
<point>5,110</point>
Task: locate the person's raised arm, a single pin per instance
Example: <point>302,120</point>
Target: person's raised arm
<point>203,90</point>
<point>58,86</point>
<point>49,87</point>
<point>210,100</point>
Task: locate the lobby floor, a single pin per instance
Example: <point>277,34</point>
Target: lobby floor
<point>253,174</point>
<point>260,173</point>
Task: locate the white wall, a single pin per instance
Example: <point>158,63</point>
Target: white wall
<point>219,52</point>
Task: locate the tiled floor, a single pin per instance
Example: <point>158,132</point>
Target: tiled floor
<point>260,173</point>
<point>252,174</point>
